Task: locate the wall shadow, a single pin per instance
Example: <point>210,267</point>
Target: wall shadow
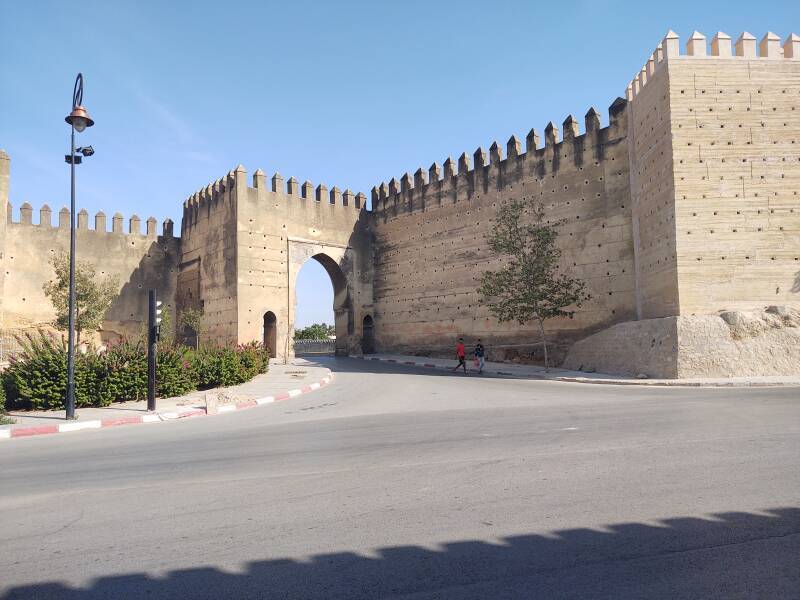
<point>127,315</point>
<point>346,364</point>
<point>729,555</point>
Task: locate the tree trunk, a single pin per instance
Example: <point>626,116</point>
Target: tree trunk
<point>544,344</point>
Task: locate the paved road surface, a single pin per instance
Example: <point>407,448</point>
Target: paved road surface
<point>397,482</point>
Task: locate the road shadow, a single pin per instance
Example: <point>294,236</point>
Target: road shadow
<point>342,364</point>
<point>729,555</point>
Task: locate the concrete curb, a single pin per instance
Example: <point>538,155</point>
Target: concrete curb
<point>157,417</point>
<point>596,381</point>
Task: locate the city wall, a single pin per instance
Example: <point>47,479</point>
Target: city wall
<point>137,260</point>
<point>430,230</point>
<point>685,204</point>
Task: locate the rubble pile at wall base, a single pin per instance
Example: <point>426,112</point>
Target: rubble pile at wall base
<point>730,344</point>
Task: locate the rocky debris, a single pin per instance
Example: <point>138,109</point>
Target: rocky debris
<point>744,324</point>
<point>731,344</point>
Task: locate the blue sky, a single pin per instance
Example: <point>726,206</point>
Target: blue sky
<point>343,93</point>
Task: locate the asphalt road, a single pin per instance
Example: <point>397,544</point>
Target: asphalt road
<point>403,483</point>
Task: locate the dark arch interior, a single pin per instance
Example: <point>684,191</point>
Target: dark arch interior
<point>368,337</point>
<point>270,332</point>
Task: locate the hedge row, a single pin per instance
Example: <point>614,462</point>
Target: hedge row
<point>37,377</point>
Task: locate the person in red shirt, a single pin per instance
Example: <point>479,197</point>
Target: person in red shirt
<point>461,355</point>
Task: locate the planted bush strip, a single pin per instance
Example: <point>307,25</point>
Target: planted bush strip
<point>37,377</point>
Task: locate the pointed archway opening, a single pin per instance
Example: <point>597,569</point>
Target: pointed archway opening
<point>322,298</point>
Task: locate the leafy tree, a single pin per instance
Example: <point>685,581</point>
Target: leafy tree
<point>93,295</point>
<point>317,331</point>
<point>192,318</point>
<point>529,287</point>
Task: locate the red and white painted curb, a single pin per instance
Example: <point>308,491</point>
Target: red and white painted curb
<point>161,416</point>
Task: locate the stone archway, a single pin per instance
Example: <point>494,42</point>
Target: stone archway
<point>342,298</point>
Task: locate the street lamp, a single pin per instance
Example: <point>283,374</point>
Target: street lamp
<point>78,120</point>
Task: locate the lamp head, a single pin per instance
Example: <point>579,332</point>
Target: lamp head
<point>79,118</point>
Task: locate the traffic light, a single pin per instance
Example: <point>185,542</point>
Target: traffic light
<point>158,319</point>
<point>153,321</point>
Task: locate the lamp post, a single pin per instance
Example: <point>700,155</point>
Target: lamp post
<point>78,120</point>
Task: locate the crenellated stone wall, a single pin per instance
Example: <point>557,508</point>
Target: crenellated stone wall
<point>138,261</point>
<point>687,202</point>
<point>430,234</point>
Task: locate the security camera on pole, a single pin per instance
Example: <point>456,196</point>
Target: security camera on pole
<point>153,323</point>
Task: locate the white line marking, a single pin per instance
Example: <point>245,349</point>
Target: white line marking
<point>151,418</point>
<point>5,434</point>
<point>294,393</point>
<point>226,408</point>
<point>265,400</point>
<point>314,386</point>
<point>63,427</point>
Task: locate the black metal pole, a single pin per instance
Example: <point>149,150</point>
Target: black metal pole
<point>151,351</point>
<point>71,334</point>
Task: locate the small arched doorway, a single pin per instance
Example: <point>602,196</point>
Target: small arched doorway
<point>271,332</point>
<point>368,336</point>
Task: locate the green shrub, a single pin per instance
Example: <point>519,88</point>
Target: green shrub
<point>222,366</point>
<point>256,356</point>
<point>175,372</point>
<point>37,377</point>
<point>90,378</point>
<point>218,366</point>
<point>126,366</point>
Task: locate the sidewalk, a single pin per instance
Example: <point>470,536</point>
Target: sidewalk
<point>281,383</point>
<point>556,374</point>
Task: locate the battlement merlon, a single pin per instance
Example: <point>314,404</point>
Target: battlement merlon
<point>64,216</point>
<point>5,165</point>
<point>82,221</point>
<point>453,174</point>
<point>745,47</point>
<point>235,185</point>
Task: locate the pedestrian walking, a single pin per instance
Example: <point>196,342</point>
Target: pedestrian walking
<point>480,352</point>
<point>461,355</point>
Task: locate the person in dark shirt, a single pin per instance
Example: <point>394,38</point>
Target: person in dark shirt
<point>480,352</point>
<point>461,355</point>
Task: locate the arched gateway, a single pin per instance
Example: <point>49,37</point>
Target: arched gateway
<point>243,247</point>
